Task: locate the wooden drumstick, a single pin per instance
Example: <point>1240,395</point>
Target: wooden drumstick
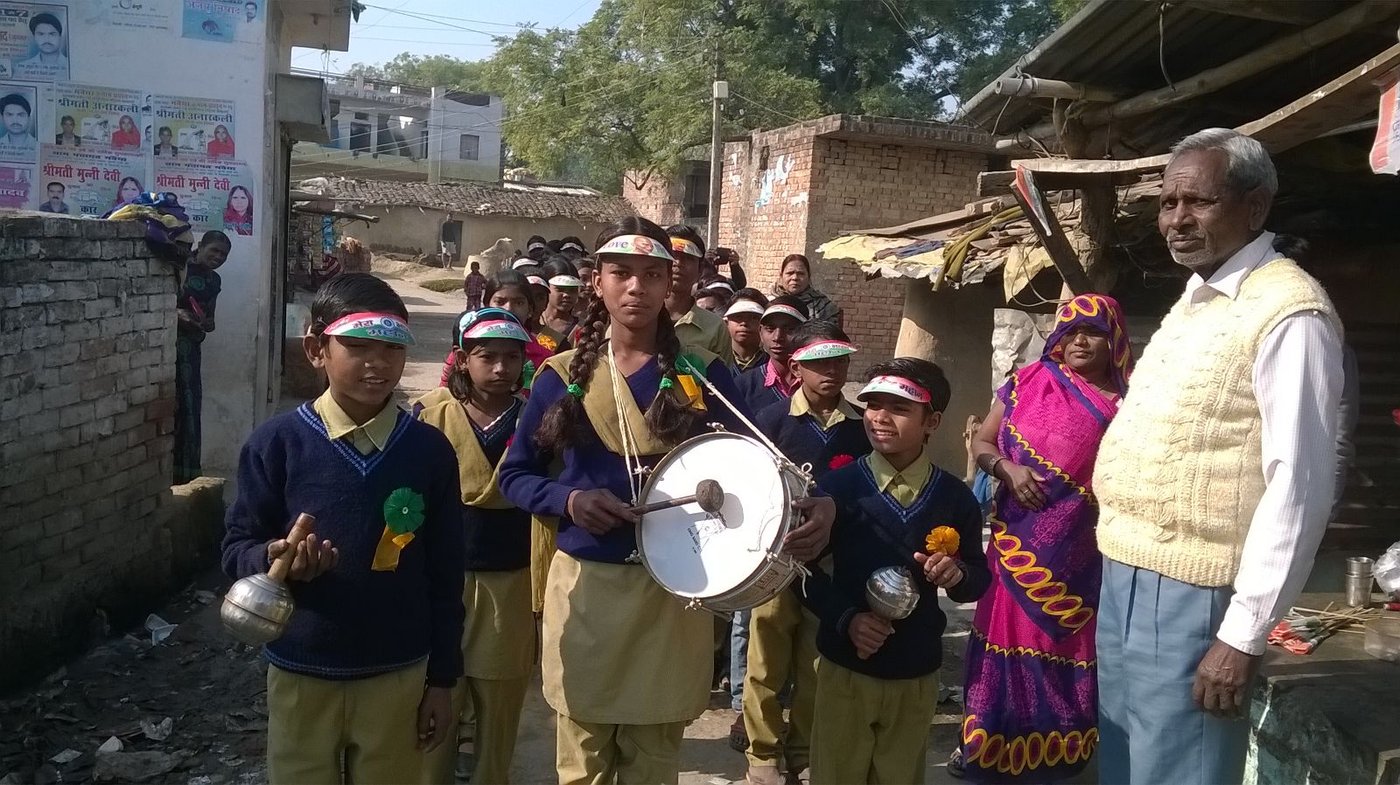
<point>707,494</point>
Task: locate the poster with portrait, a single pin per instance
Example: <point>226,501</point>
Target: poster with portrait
<point>104,118</point>
<point>146,15</point>
<point>19,142</point>
<point>16,182</point>
<point>33,41</point>
<point>186,126</point>
<point>216,193</point>
<point>86,181</point>
<point>218,20</point>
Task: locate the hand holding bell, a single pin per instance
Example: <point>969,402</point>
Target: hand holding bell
<point>257,608</point>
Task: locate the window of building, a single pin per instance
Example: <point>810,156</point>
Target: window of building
<point>469,147</point>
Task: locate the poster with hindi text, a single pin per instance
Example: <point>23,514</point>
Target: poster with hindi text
<point>103,118</point>
<point>16,182</point>
<point>86,181</point>
<point>33,41</point>
<point>221,21</point>
<point>216,193</point>
<point>188,126</point>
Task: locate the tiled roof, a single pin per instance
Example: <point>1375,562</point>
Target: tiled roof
<point>478,199</point>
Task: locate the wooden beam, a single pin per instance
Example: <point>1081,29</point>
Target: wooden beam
<point>1275,53</point>
<point>1034,87</point>
<point>1294,12</point>
<point>1343,101</point>
<point>1043,220</point>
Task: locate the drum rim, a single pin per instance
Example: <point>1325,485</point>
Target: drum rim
<point>652,478</point>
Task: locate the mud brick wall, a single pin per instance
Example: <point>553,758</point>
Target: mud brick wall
<point>87,403</point>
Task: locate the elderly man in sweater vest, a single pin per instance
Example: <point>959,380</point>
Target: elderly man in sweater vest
<point>1215,480</point>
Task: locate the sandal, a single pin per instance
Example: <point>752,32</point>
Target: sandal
<point>738,735</point>
<point>955,764</point>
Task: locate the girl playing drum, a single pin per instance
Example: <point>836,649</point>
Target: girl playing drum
<point>625,665</point>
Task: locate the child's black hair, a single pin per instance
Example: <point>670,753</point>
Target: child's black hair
<point>687,233</point>
<point>668,417</point>
<point>924,373</point>
<point>752,295</point>
<point>349,293</point>
<point>557,265</point>
<point>792,301</point>
<point>563,241</point>
<point>504,278</point>
<point>815,331</point>
<point>534,238</point>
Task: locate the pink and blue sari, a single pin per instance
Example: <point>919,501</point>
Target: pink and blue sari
<point>1031,692</point>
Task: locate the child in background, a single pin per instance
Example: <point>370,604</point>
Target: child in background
<point>509,290</point>
<point>817,426</point>
<point>558,321</point>
<point>498,649</point>
<point>741,317</point>
<point>773,381</point>
<point>694,325</point>
<point>877,682</point>
<point>366,667</point>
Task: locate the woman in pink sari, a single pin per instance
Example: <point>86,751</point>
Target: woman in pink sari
<point>1031,692</point>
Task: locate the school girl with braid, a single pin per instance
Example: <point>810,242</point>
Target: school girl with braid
<point>625,665</point>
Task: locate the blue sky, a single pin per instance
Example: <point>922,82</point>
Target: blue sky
<point>433,27</point>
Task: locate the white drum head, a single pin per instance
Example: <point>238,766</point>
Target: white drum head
<point>692,554</point>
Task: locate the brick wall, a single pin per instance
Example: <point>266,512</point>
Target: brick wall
<point>656,198</point>
<point>87,380</point>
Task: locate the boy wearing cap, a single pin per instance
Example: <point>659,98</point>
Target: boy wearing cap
<point>741,317</point>
<point>694,325</point>
<point>819,428</point>
<point>367,664</point>
<point>773,381</point>
<point>877,682</point>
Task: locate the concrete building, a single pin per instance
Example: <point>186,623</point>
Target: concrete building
<point>415,217</point>
<point>393,131</point>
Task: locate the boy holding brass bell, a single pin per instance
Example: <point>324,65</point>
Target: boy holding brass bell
<point>365,665</point>
<point>905,528</point>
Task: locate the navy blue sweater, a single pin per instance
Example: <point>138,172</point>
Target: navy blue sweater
<point>497,539</point>
<point>354,622</point>
<point>872,531</point>
<point>750,386</point>
<point>802,440</point>
<point>526,479</point>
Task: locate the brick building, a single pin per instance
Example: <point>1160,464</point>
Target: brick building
<point>791,189</point>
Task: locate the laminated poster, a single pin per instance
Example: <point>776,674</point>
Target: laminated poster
<point>18,121</point>
<point>33,41</point>
<point>216,193</point>
<point>219,20</point>
<point>186,126</point>
<point>15,184</point>
<point>103,118</point>
<point>87,182</point>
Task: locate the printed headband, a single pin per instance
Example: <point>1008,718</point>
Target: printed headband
<point>496,328</point>
<point>574,246</point>
<point>687,247</point>
<point>481,316</point>
<point>523,261</point>
<point>635,245</point>
<point>723,286</point>
<point>565,282</point>
<point>744,306</point>
<point>781,309</point>
<point>537,281</point>
<point>897,386</point>
<point>384,327</point>
<point>533,246</point>
<point>823,350</point>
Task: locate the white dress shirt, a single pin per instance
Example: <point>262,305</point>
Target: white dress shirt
<point>1298,383</point>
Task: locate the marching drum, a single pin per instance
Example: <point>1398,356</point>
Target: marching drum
<point>731,560</point>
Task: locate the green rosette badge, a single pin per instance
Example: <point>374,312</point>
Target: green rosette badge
<point>403,514</point>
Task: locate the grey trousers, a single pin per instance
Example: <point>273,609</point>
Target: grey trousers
<point>1152,633</point>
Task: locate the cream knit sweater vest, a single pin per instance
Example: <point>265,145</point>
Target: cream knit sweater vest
<point>1180,470</point>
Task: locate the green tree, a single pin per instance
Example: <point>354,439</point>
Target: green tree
<point>426,71</point>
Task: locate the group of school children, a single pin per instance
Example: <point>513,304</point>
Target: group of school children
<point>415,599</point>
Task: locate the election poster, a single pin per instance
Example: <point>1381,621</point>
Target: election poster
<point>218,20</point>
<point>86,181</point>
<point>33,41</point>
<point>216,193</point>
<point>187,126</point>
<point>15,184</point>
<point>19,141</point>
<point>105,118</point>
<point>149,15</point>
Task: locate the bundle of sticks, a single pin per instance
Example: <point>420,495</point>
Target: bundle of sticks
<point>1303,628</point>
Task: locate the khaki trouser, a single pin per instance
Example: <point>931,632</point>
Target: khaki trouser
<point>492,707</point>
<point>590,753</point>
<point>373,722</point>
<point>870,730</point>
<point>782,646</point>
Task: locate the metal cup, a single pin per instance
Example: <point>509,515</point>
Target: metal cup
<point>1360,577</point>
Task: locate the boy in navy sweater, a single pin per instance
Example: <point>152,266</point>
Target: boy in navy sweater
<point>817,426</point>
<point>766,384</point>
<point>877,682</point>
<point>368,661</point>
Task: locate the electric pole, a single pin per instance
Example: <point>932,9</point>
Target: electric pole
<point>718,93</point>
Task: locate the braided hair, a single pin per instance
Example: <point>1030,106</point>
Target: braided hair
<point>668,417</point>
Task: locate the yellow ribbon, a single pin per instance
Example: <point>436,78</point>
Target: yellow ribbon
<point>386,555</point>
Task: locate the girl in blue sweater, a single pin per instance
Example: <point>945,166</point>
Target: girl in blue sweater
<point>366,667</point>
<point>625,665</point>
<point>478,411</point>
